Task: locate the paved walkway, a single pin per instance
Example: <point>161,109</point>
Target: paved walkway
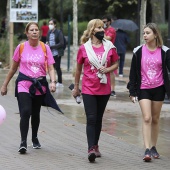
<point>63,141</point>
<point>64,146</point>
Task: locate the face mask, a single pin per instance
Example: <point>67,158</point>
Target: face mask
<point>105,26</point>
<point>99,35</point>
<point>51,27</point>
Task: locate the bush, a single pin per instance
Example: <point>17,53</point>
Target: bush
<point>164,32</point>
<point>81,27</point>
<point>4,49</point>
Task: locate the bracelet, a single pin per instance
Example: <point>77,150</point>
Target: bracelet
<point>54,81</point>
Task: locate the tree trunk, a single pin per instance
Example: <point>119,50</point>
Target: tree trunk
<point>75,35</point>
<point>142,19</point>
<point>158,11</point>
<point>8,27</point>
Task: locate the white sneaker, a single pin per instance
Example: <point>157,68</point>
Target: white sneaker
<point>59,85</point>
<point>120,75</point>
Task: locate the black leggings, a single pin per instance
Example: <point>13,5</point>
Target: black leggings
<point>29,107</point>
<point>94,107</point>
<point>58,68</point>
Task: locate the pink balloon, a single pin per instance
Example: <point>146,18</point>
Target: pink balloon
<point>2,114</point>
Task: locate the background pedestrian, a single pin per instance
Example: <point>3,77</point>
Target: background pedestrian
<point>55,40</point>
<point>110,34</point>
<point>121,42</point>
<point>44,31</point>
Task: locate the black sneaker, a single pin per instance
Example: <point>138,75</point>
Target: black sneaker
<point>113,93</point>
<point>92,154</point>
<point>154,153</point>
<point>23,147</point>
<point>147,155</point>
<point>36,144</point>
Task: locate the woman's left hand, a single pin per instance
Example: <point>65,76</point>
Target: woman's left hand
<point>103,70</point>
<point>52,86</point>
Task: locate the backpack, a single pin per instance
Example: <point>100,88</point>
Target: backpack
<point>65,41</point>
<point>21,48</point>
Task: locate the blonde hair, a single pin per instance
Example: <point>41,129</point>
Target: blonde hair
<point>155,29</point>
<point>29,24</point>
<point>90,28</point>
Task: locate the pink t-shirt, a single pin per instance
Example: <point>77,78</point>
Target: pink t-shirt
<point>110,31</point>
<point>151,68</point>
<point>32,64</point>
<point>90,82</point>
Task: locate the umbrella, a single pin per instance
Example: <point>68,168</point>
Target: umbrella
<point>124,24</point>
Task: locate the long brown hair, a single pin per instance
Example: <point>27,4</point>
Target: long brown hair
<point>155,29</point>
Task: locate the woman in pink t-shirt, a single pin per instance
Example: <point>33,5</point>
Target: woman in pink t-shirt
<point>32,65</point>
<point>98,58</point>
<point>148,82</point>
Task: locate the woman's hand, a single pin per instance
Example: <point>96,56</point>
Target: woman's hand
<point>52,86</point>
<point>3,90</point>
<point>103,70</point>
<point>75,92</point>
<point>133,99</point>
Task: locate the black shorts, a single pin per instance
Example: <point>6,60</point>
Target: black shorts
<point>155,94</point>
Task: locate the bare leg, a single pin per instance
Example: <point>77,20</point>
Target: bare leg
<point>156,109</point>
<point>112,79</point>
<point>145,106</point>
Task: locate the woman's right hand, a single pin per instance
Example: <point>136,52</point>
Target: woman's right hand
<point>3,90</point>
<point>75,92</point>
<point>133,99</point>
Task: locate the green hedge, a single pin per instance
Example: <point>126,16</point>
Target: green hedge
<point>4,49</point>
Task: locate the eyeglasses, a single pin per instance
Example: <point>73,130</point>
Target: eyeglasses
<point>105,21</point>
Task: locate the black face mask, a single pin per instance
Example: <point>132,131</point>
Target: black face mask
<point>99,35</point>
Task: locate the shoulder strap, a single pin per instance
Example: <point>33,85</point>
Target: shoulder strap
<point>45,54</point>
<point>43,48</point>
<point>21,48</point>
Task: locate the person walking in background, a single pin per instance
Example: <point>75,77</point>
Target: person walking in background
<point>98,58</point>
<point>44,31</point>
<point>120,42</point>
<point>148,81</point>
<point>55,40</point>
<point>110,34</point>
<point>31,83</point>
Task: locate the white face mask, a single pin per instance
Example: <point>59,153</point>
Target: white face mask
<point>105,26</point>
<point>51,27</point>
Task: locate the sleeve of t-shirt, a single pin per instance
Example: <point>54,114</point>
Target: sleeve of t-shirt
<point>16,56</point>
<point>112,33</point>
<point>115,56</point>
<point>80,59</point>
<point>114,36</point>
<point>50,58</point>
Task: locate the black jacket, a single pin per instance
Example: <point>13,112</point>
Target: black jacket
<point>135,70</point>
<point>59,41</point>
<point>48,99</point>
